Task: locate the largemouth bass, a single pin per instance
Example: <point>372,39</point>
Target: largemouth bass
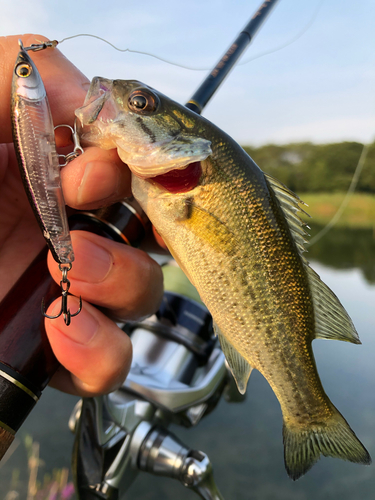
<point>237,235</point>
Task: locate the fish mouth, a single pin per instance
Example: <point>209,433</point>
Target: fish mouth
<point>146,144</point>
<point>99,92</point>
<point>180,180</point>
<point>165,157</point>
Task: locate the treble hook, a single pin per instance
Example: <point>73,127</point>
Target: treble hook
<point>64,298</point>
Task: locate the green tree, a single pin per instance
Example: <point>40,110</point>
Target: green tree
<point>307,167</point>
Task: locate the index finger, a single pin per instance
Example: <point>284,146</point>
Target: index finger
<point>66,86</point>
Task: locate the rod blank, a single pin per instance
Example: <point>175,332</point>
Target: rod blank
<point>216,77</point>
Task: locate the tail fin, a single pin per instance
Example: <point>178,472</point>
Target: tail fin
<point>335,438</point>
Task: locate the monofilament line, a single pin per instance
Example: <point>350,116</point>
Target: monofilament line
<point>192,68</point>
<point>135,52</point>
<point>345,201</point>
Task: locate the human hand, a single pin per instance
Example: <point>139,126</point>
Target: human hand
<point>94,352</point>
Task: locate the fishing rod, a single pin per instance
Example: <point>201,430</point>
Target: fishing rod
<point>216,77</point>
<point>27,362</point>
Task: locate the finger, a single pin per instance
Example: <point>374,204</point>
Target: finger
<point>66,86</point>
<point>94,179</point>
<point>92,348</point>
<point>113,275</point>
<point>159,239</point>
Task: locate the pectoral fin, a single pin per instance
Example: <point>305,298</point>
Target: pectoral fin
<point>239,367</point>
<point>208,227</point>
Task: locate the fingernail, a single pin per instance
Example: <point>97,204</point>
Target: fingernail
<point>100,181</point>
<point>92,262</point>
<point>82,328</point>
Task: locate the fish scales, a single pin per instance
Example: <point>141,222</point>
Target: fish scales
<point>279,311</point>
<point>236,235</point>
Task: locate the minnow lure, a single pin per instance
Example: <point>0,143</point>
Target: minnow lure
<point>38,161</point>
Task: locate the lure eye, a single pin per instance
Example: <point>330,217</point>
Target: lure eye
<point>143,102</point>
<point>24,70</point>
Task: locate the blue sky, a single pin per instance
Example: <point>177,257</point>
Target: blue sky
<point>320,88</point>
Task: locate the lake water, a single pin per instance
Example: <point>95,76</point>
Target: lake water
<point>244,440</point>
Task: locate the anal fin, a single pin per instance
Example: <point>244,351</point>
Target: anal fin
<point>239,367</point>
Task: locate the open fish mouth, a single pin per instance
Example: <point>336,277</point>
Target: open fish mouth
<point>151,145</point>
<point>180,180</point>
<point>99,92</point>
<point>97,113</point>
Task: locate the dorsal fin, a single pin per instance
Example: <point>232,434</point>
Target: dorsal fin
<point>290,205</point>
<point>331,319</point>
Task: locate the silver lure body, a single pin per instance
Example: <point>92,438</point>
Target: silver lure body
<point>34,141</point>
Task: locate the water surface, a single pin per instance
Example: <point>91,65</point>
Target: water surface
<point>244,440</point>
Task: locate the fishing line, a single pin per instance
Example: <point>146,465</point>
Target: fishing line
<point>192,68</point>
<point>345,201</point>
<point>291,41</point>
<point>309,24</point>
<point>135,52</point>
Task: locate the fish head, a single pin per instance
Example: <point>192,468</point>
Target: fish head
<point>27,82</point>
<point>153,134</point>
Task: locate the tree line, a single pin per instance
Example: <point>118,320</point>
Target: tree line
<point>307,167</point>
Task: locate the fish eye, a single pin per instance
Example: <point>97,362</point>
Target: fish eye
<point>24,70</point>
<point>143,102</point>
